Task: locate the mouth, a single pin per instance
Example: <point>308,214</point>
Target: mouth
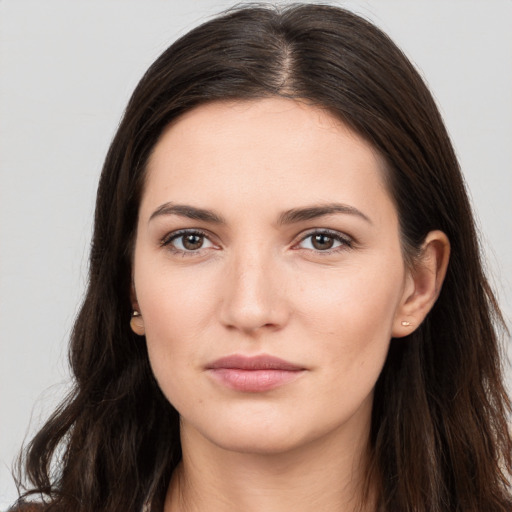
<point>253,374</point>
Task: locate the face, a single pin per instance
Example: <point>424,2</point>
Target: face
<point>269,274</point>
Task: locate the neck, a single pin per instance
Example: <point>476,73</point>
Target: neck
<point>324,475</point>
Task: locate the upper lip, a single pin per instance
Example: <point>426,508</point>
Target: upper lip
<point>260,362</point>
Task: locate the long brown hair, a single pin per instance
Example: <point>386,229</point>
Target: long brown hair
<point>439,435</point>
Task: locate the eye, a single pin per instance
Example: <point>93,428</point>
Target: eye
<point>325,241</point>
<point>187,241</point>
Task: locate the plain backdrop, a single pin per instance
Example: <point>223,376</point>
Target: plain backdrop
<point>67,69</point>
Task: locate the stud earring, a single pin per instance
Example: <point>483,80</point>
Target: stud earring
<point>405,323</point>
<point>137,323</point>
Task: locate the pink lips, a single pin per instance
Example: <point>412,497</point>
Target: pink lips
<point>253,374</point>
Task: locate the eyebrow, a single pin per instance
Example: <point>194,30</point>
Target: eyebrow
<point>288,217</point>
<point>313,212</point>
<point>190,212</point>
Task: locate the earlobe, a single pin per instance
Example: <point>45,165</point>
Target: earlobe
<point>424,284</point>
<point>137,323</point>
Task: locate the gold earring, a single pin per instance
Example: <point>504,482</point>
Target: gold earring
<point>137,323</point>
<point>405,323</point>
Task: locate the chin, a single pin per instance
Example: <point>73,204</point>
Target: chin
<point>263,442</point>
<point>247,433</point>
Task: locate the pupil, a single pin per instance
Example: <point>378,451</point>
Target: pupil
<point>322,242</point>
<point>192,242</point>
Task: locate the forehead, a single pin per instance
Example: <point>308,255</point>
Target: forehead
<point>284,150</point>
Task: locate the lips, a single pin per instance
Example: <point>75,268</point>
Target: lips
<point>253,374</point>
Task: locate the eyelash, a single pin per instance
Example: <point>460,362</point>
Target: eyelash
<point>345,241</point>
<point>168,239</point>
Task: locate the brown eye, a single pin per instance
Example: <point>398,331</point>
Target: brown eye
<point>187,242</point>
<point>193,241</point>
<point>325,241</point>
<point>322,241</point>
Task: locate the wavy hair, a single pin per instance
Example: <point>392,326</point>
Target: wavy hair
<point>439,435</point>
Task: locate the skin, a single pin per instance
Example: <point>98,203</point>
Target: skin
<point>261,286</point>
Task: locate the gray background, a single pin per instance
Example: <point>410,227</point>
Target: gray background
<point>66,72</point>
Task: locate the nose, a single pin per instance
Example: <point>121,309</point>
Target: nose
<point>254,297</point>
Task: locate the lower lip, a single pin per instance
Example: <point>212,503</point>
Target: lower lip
<point>254,381</point>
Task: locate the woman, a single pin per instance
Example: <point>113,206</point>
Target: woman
<point>286,307</point>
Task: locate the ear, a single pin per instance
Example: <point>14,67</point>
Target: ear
<point>136,322</point>
<point>423,284</point>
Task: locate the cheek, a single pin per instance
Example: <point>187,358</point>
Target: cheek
<point>362,297</point>
<point>174,300</point>
<point>172,331</point>
<point>177,307</point>
<point>350,314</point>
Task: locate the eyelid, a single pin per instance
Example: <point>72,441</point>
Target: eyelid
<point>347,242</point>
<point>167,240</point>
